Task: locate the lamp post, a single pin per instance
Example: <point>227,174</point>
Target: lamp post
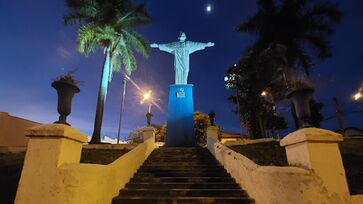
<point>122,107</point>
<point>147,97</point>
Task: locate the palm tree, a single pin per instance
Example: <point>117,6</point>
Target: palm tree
<point>108,24</point>
<point>296,24</point>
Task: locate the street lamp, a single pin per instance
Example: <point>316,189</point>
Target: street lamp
<point>125,78</point>
<point>147,97</point>
<point>358,96</point>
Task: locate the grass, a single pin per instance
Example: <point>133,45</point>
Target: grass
<point>101,156</point>
<point>271,154</point>
<point>266,153</point>
<point>11,166</point>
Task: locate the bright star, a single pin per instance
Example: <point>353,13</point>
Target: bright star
<point>209,8</point>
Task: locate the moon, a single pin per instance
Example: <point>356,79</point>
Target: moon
<point>208,8</point>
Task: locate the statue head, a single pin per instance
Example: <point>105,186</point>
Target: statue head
<point>182,37</point>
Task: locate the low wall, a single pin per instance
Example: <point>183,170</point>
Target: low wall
<point>317,178</point>
<point>12,129</point>
<point>270,184</point>
<point>52,172</point>
<point>246,141</point>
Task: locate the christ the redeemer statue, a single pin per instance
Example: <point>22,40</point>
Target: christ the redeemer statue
<point>181,51</point>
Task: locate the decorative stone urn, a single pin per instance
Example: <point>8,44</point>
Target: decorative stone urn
<point>66,88</point>
<point>300,98</point>
<point>212,116</point>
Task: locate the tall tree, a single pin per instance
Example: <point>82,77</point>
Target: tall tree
<point>108,24</point>
<point>254,74</point>
<point>296,24</point>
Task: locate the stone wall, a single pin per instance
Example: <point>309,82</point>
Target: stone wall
<point>316,174</point>
<point>52,172</point>
<point>12,129</point>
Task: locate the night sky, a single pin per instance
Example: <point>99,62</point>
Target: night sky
<point>35,48</point>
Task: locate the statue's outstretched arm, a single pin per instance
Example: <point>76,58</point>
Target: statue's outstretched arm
<point>163,47</point>
<point>196,46</point>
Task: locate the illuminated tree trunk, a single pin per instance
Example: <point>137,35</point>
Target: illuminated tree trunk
<point>102,92</point>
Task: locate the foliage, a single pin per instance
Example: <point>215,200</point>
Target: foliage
<point>302,28</point>
<point>250,77</point>
<point>67,78</point>
<point>201,123</point>
<point>299,25</point>
<point>316,114</point>
<point>160,132</point>
<point>109,24</point>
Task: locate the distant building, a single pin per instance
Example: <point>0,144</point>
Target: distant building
<point>228,136</point>
<point>353,132</point>
<point>12,129</point>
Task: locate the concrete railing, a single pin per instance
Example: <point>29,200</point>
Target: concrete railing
<point>318,175</point>
<point>52,172</point>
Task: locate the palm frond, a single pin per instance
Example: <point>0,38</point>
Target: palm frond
<point>87,39</point>
<point>329,11</point>
<point>115,64</point>
<point>128,59</point>
<point>81,11</point>
<point>267,6</point>
<point>320,44</point>
<point>303,58</point>
<point>136,42</point>
<point>136,17</point>
<point>249,26</point>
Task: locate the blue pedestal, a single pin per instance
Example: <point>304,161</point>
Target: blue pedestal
<point>180,129</point>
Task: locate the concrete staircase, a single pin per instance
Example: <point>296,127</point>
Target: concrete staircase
<point>182,175</point>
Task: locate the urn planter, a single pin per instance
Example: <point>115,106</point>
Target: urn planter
<point>65,91</point>
<point>300,98</point>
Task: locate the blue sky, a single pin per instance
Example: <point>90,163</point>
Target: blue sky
<point>35,48</point>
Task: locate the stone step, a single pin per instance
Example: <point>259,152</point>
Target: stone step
<point>184,192</point>
<point>183,157</point>
<point>181,149</point>
<point>181,174</point>
<point>190,163</point>
<point>177,171</point>
<point>195,168</point>
<point>176,165</point>
<point>184,180</point>
<point>181,200</point>
<point>137,185</point>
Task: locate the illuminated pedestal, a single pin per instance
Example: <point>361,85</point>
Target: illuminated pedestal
<point>180,129</point>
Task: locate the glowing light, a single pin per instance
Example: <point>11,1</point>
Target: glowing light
<point>264,93</point>
<point>146,97</point>
<point>235,65</point>
<point>357,96</point>
<point>208,8</point>
<point>226,78</point>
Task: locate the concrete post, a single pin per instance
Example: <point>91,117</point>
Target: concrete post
<point>148,132</point>
<point>212,132</point>
<point>318,150</point>
<point>49,147</point>
<point>212,138</point>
